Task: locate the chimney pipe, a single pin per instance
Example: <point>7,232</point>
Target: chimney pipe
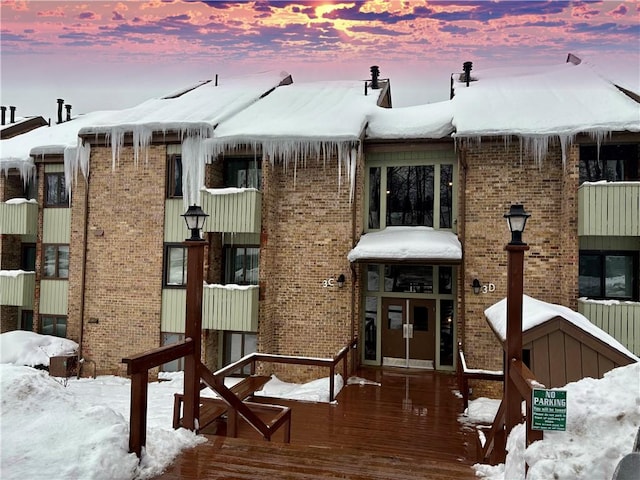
<point>60,103</point>
<point>375,73</point>
<point>3,114</point>
<point>466,66</point>
<point>68,107</point>
<point>216,80</point>
<point>12,114</point>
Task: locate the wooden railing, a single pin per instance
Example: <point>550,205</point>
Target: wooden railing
<point>494,449</point>
<point>465,374</point>
<point>138,367</point>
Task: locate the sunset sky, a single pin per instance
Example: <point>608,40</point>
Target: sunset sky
<point>108,55</point>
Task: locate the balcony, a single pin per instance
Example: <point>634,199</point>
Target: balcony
<point>232,210</point>
<point>618,319</point>
<point>609,209</point>
<point>17,288</point>
<point>18,217</point>
<point>224,307</point>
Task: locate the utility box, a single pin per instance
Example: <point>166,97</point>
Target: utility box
<point>63,366</point>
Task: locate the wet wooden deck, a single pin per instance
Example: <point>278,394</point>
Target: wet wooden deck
<point>407,428</point>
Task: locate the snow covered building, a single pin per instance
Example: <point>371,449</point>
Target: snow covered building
<point>330,216</point>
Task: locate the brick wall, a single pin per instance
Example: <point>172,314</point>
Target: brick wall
<point>306,235</point>
<point>123,282</point>
<point>495,177</point>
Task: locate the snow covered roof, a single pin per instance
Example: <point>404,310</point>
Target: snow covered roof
<point>536,312</point>
<point>561,100</point>
<point>434,120</point>
<point>199,109</point>
<point>413,244</point>
<point>58,139</point>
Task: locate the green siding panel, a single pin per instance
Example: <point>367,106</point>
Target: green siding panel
<point>53,297</point>
<point>610,209</point>
<point>18,218</point>
<point>233,211</point>
<point>56,225</point>
<point>223,308</point>
<point>621,320</point>
<point>17,289</point>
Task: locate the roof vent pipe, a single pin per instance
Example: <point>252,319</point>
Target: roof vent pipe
<point>216,80</point>
<point>375,73</point>
<point>3,114</point>
<point>60,103</point>
<point>12,114</point>
<point>68,107</point>
<point>466,66</point>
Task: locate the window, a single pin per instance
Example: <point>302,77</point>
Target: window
<point>175,266</point>
<point>174,175</point>
<point>26,320</point>
<point>178,364</point>
<point>56,261</point>
<point>614,163</point>
<point>28,262</point>
<point>408,278</point>
<point>53,325</point>
<point>237,345</point>
<point>410,195</point>
<point>55,192</point>
<point>244,172</point>
<point>242,265</point>
<point>611,275</point>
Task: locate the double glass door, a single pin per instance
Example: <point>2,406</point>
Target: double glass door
<point>408,332</point>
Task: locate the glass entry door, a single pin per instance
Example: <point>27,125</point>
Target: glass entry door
<point>408,332</point>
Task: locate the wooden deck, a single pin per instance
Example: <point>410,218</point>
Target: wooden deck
<point>405,429</point>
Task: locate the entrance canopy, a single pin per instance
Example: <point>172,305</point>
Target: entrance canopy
<point>408,244</point>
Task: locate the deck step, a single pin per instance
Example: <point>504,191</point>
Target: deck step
<point>249,459</point>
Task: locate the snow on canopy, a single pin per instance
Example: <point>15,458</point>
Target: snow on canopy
<point>407,243</point>
<point>542,105</point>
<point>301,121</point>
<point>193,113</point>
<point>536,312</point>
<point>433,120</point>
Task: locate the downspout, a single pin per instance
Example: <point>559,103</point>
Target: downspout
<point>462,233</point>
<point>84,272</point>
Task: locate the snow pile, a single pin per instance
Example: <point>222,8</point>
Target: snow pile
<point>480,411</point>
<point>407,243</point>
<point>20,201</point>
<point>603,417</point>
<point>314,391</point>
<point>536,312</point>
<point>21,347</point>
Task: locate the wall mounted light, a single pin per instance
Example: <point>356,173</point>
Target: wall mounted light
<point>476,286</point>
<point>341,280</point>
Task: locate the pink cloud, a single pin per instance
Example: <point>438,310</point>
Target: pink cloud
<point>620,11</point>
<point>58,12</point>
<point>583,10</point>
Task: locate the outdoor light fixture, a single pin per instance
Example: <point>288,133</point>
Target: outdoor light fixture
<point>516,219</point>
<point>476,286</point>
<point>194,217</point>
<point>341,280</point>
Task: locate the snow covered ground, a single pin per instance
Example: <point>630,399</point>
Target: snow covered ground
<point>53,429</point>
<point>603,417</point>
<point>56,429</point>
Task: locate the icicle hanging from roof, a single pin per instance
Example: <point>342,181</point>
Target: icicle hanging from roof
<point>289,152</point>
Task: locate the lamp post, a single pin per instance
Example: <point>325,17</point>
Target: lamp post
<point>194,217</point>
<point>516,219</point>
